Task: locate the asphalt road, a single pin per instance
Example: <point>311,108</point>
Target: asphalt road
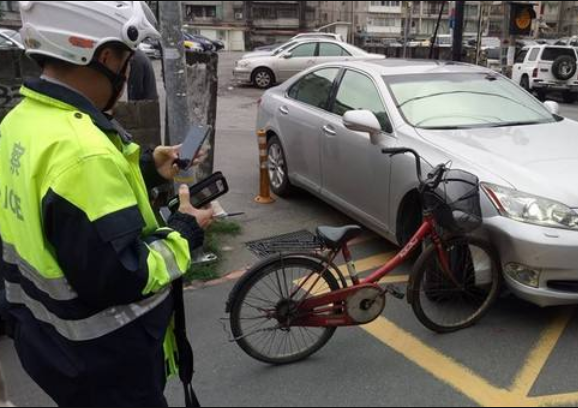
<point>519,355</point>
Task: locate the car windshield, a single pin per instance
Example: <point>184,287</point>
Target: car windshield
<point>454,101</point>
<point>9,36</point>
<point>284,47</point>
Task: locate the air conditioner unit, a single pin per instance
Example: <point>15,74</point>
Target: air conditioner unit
<point>238,16</point>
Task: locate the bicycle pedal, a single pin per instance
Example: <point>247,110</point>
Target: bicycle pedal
<point>395,292</point>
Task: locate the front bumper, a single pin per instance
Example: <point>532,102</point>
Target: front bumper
<point>553,252</point>
<point>242,74</point>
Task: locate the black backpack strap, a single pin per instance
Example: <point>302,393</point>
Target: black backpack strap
<point>186,358</point>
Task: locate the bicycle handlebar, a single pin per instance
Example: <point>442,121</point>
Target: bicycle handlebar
<point>434,178</point>
<point>397,151</point>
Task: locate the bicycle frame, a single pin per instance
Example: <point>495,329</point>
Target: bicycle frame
<point>326,310</point>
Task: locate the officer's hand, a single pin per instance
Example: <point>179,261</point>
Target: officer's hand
<point>165,157</point>
<point>204,217</point>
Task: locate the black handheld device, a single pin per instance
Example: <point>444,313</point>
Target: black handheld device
<point>196,138</point>
<point>204,192</point>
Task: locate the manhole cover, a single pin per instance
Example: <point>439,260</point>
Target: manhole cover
<point>300,241</point>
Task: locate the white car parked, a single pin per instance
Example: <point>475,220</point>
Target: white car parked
<point>525,154</point>
<point>325,36</point>
<point>267,69</point>
<point>547,68</point>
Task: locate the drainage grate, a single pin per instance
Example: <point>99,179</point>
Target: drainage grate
<point>300,241</point>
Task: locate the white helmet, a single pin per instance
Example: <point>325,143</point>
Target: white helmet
<point>72,31</point>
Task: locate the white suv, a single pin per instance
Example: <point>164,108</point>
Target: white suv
<point>548,68</point>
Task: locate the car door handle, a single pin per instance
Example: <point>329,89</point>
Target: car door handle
<point>329,130</point>
<point>284,110</point>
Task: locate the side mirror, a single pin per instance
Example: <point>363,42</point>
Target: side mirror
<point>288,56</point>
<point>553,107</point>
<point>366,122</point>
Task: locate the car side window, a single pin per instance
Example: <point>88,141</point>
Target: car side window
<point>521,57</point>
<point>304,51</point>
<point>358,92</point>
<point>315,88</point>
<point>332,50</point>
<point>534,55</point>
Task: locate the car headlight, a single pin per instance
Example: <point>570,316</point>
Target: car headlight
<point>243,64</point>
<point>531,209</point>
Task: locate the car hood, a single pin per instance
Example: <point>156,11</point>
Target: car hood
<point>371,57</point>
<point>257,54</point>
<point>538,159</point>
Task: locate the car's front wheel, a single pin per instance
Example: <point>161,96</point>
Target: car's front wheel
<point>278,173</point>
<point>263,78</point>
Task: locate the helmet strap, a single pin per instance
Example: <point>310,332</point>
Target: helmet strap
<point>117,79</point>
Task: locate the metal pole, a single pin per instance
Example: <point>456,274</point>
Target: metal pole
<point>435,36</point>
<point>175,70</point>
<point>406,30</point>
<point>480,34</point>
<point>458,38</point>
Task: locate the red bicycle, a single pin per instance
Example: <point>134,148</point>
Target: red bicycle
<point>288,307</point>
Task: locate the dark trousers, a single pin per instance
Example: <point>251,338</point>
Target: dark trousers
<point>124,369</point>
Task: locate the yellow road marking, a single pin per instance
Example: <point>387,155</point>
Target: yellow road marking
<point>541,353</point>
<point>371,263</point>
<point>561,400</point>
<point>440,366</point>
<point>470,384</point>
<point>395,279</point>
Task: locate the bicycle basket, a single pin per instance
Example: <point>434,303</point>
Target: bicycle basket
<point>456,202</point>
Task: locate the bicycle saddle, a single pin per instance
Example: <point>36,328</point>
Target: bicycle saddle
<point>335,238</point>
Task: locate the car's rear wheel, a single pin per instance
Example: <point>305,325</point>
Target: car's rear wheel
<point>278,170</point>
<point>525,83</point>
<point>263,78</point>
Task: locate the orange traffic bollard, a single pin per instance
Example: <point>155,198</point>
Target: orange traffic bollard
<point>264,188</point>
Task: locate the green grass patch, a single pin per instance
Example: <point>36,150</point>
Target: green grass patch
<point>213,243</point>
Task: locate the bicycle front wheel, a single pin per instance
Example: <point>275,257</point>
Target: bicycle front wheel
<point>449,301</point>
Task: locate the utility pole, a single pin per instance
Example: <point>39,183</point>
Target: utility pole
<point>175,71</point>
<point>407,28</point>
<point>508,43</point>
<point>458,37</point>
<point>539,20</point>
<point>249,20</point>
<point>480,33</point>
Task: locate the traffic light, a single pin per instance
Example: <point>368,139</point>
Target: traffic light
<point>521,17</point>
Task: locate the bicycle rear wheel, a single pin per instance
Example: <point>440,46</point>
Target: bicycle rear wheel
<point>267,302</point>
<point>445,304</point>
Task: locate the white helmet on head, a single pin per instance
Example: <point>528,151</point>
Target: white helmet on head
<point>72,31</point>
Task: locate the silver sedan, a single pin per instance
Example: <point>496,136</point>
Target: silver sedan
<point>265,69</point>
<point>523,152</point>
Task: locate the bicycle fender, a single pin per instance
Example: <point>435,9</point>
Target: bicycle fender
<point>274,259</point>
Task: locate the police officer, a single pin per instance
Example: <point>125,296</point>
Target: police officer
<point>88,269</point>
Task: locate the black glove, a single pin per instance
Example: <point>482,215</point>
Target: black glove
<point>187,226</point>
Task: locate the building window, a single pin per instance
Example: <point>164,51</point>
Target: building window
<point>274,13</point>
<point>386,3</point>
<point>200,12</point>
<point>384,22</point>
<point>8,5</point>
<point>434,7</point>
